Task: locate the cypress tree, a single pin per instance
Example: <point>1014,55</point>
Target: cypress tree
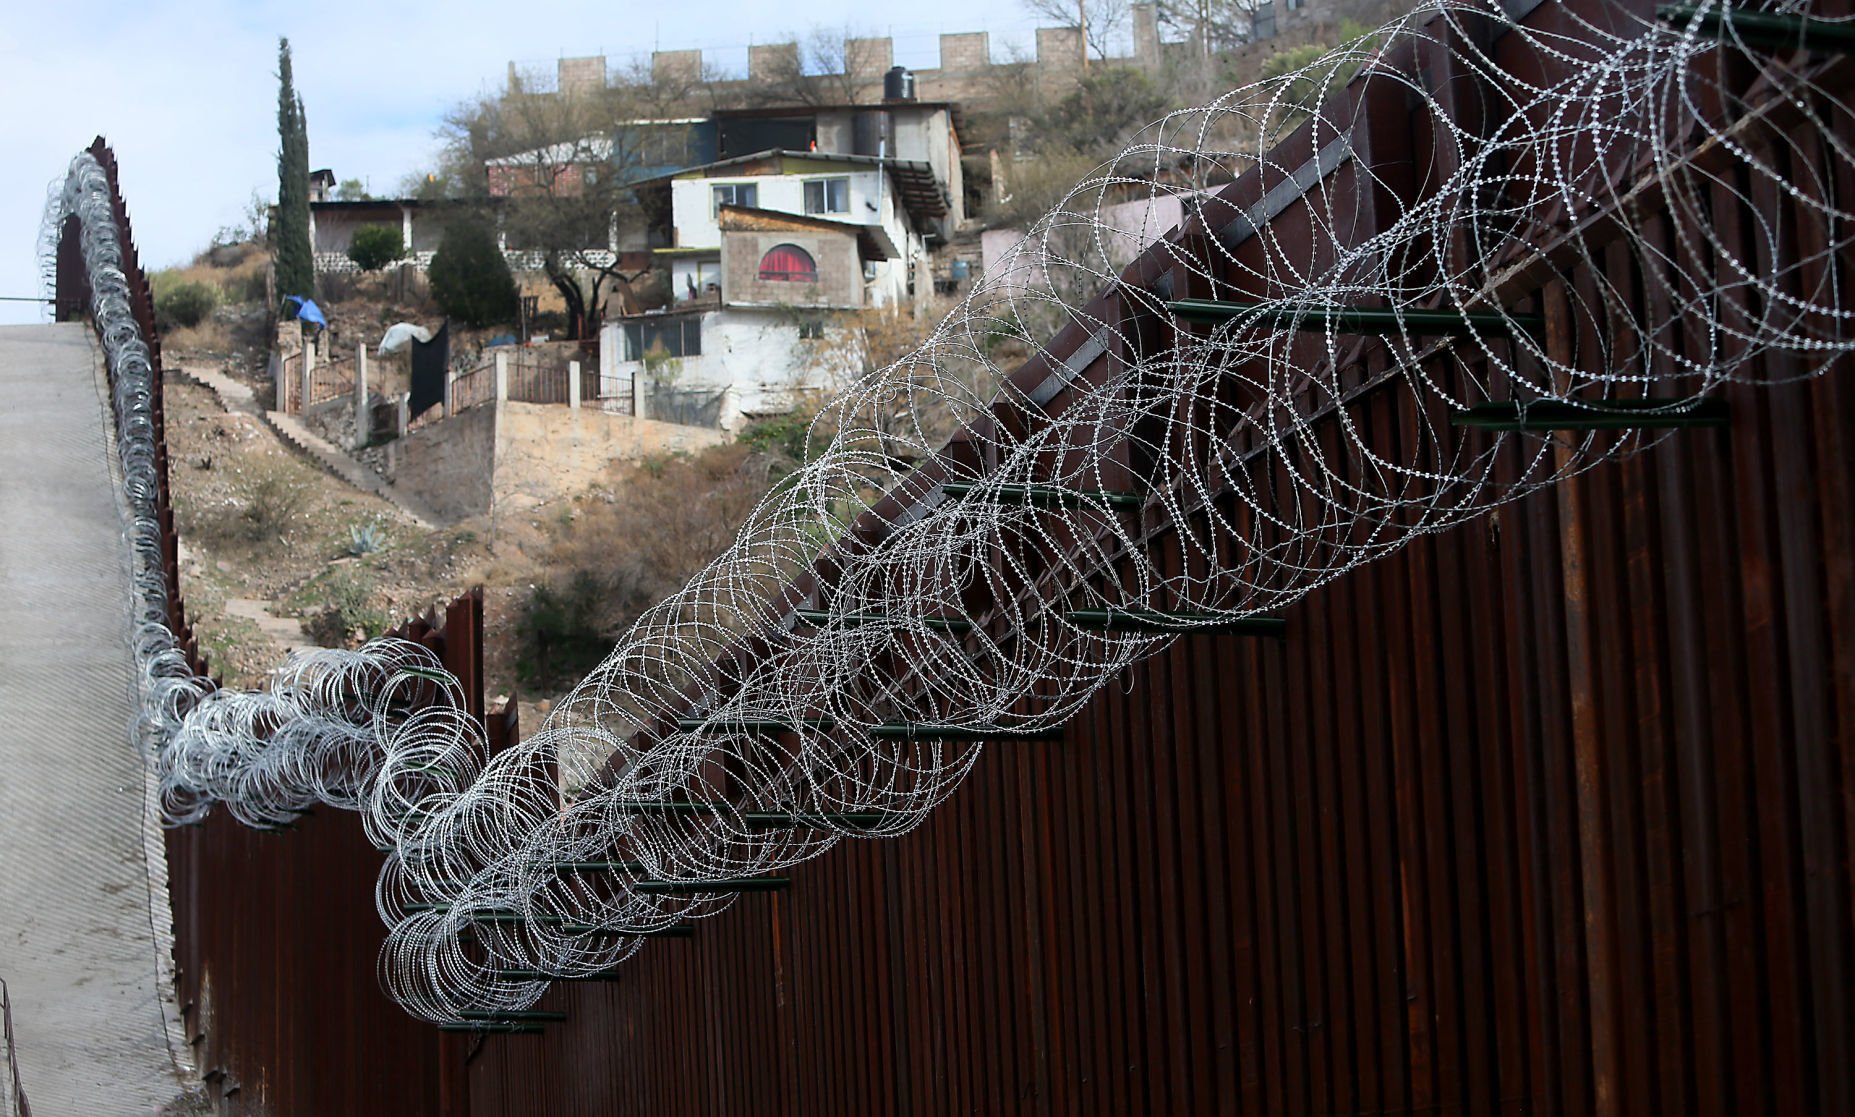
<point>295,262</point>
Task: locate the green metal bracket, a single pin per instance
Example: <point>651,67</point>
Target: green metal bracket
<point>1610,414</point>
<point>1360,319</point>
<point>543,975</point>
<point>505,918</point>
<point>1766,30</point>
<point>1047,496</point>
<point>818,820</point>
<point>766,820</point>
<point>921,731</point>
<point>672,931</point>
<point>754,725</point>
<point>1152,620</point>
<point>529,1016</point>
<point>674,806</point>
<point>723,884</point>
<point>818,617</point>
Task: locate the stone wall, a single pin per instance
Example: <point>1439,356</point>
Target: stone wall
<point>545,452</point>
<point>518,455</point>
<point>450,464</point>
<point>967,72</point>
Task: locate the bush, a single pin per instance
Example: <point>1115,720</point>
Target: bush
<point>348,617</point>
<point>264,503</point>
<point>561,636</point>
<point>469,278</point>
<point>184,304</point>
<point>376,246</point>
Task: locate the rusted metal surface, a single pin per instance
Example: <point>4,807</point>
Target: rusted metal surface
<point>1550,813</point>
<point>277,939</point>
<point>20,1105</point>
<point>276,934</point>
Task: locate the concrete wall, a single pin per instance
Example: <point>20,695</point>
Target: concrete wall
<point>545,452</point>
<point>516,455</point>
<point>967,72</point>
<point>449,464</point>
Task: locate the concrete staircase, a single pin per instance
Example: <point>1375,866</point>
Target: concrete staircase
<point>237,397</point>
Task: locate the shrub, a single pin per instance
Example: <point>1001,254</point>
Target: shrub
<point>783,435</point>
<point>184,304</point>
<point>469,278</point>
<point>262,505</point>
<point>561,635</point>
<point>376,246</point>
<point>365,539</point>
<point>348,616</point>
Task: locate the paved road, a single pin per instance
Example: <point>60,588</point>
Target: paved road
<point>78,939</point>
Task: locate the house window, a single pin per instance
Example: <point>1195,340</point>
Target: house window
<point>811,329</point>
<point>674,336</point>
<point>732,194</point>
<point>827,195</point>
<point>788,263</point>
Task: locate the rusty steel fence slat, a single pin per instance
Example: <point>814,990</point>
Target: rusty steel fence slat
<point>16,1090</point>
<point>1551,812</point>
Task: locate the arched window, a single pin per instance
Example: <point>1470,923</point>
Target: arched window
<point>788,263</point>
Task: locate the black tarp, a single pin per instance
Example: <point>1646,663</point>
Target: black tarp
<point>430,359</point>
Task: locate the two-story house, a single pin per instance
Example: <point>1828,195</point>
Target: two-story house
<point>835,213</point>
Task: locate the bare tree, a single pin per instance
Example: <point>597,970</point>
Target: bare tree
<point>1100,21</point>
<point>1212,27</point>
<point>826,67</point>
<point>555,171</point>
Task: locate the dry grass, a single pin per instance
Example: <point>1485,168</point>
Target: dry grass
<point>621,548</point>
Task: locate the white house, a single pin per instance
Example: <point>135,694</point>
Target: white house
<point>762,249</point>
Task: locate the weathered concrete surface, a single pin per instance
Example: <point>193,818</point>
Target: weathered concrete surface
<point>79,897</point>
<point>545,452</point>
<point>511,456</point>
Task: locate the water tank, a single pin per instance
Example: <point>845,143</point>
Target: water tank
<point>898,84</point>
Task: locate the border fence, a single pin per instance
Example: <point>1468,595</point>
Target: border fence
<point>1547,813</point>
<point>276,933</point>
<point>17,1104</point>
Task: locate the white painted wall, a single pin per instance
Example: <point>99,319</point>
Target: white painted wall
<point>755,356</point>
<point>872,202</point>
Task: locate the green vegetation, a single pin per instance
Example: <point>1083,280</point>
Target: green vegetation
<point>376,246</point>
<point>183,304</point>
<point>782,435</point>
<point>339,608</point>
<point>295,260</point>
<point>562,636</point>
<point>469,278</point>
<point>265,501</point>
<point>366,539</point>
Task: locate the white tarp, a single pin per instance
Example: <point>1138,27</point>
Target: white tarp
<point>401,334</point>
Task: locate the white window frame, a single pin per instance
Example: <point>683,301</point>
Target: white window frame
<point>734,188</point>
<point>824,194</point>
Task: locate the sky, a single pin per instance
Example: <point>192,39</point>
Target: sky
<point>186,92</point>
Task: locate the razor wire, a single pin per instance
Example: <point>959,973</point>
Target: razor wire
<point>736,729</point>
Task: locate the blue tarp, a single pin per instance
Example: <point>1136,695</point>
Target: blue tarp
<point>307,310</point>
